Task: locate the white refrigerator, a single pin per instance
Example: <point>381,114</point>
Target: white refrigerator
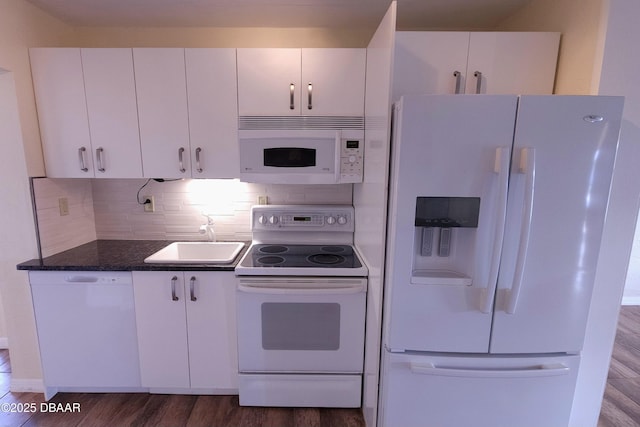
<point>496,212</point>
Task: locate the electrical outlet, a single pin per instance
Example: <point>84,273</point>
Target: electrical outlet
<point>63,206</point>
<point>149,204</point>
<point>263,200</point>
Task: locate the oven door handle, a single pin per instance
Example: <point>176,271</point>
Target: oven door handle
<point>301,291</point>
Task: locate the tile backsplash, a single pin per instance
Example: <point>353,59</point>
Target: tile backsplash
<point>112,209</point>
<point>61,232</point>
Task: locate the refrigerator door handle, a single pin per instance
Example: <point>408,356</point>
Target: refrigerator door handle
<point>501,168</point>
<point>528,168</point>
<point>544,370</point>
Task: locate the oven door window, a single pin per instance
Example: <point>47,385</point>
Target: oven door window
<point>289,157</point>
<point>300,326</point>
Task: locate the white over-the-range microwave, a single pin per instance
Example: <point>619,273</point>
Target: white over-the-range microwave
<point>305,156</point>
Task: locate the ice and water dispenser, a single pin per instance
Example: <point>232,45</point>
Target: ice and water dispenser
<point>444,241</point>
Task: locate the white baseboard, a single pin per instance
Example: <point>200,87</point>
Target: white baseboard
<point>631,300</point>
<point>26,385</point>
<point>631,297</point>
<point>4,343</point>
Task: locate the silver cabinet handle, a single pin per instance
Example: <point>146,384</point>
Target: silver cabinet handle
<point>192,290</point>
<point>81,152</point>
<point>478,76</point>
<point>292,91</point>
<point>458,77</point>
<point>174,297</point>
<point>310,91</point>
<point>180,161</point>
<point>99,153</point>
<point>198,167</point>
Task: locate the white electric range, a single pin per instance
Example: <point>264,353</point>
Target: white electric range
<point>301,309</point>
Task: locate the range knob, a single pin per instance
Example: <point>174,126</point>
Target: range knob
<point>342,220</point>
<point>273,219</point>
<point>331,220</point>
<point>262,219</point>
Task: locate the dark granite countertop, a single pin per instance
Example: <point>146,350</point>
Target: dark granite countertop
<point>117,255</point>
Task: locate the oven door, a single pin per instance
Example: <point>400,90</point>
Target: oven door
<point>290,156</point>
<point>301,325</point>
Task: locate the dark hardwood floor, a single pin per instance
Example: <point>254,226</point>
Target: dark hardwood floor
<point>156,410</point>
<point>621,406</point>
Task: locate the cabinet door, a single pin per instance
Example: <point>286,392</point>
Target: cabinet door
<point>333,82</point>
<point>211,316</point>
<point>113,112</point>
<point>162,331</point>
<point>425,62</point>
<point>62,112</point>
<point>269,82</point>
<point>512,62</point>
<point>162,109</point>
<point>213,112</point>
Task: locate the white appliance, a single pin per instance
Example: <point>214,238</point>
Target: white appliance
<point>301,309</point>
<point>310,156</point>
<point>86,330</point>
<point>497,205</point>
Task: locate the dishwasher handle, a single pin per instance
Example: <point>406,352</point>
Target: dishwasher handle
<point>81,279</point>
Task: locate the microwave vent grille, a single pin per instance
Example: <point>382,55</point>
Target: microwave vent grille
<point>300,122</point>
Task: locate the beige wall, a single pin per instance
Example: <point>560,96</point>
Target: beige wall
<point>221,37</point>
<point>23,25</point>
<point>17,243</point>
<point>581,23</point>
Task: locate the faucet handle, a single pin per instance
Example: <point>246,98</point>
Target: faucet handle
<point>209,219</point>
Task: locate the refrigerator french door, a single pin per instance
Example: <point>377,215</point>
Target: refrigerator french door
<point>497,206</point>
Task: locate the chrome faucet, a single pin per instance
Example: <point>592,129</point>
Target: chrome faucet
<point>208,229</point>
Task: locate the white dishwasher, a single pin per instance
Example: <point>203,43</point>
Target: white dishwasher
<point>87,330</point>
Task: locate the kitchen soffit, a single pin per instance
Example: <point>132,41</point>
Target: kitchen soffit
<point>412,14</point>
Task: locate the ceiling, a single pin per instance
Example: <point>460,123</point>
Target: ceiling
<point>412,14</point>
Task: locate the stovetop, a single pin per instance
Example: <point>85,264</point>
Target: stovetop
<point>301,256</point>
<point>302,240</point>
<point>301,260</point>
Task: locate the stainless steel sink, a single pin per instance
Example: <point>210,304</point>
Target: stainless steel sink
<point>197,253</point>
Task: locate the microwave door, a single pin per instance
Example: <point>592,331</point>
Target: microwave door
<point>289,157</point>
<point>292,157</point>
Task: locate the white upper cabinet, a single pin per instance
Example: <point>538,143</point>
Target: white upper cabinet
<point>512,63</point>
<point>430,62</point>
<point>212,94</point>
<point>187,106</point>
<point>162,111</point>
<point>333,82</point>
<point>62,112</point>
<point>269,82</point>
<point>87,112</point>
<point>449,62</point>
<point>113,113</point>
<point>281,82</point>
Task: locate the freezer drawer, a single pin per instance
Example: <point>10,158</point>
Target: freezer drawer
<point>491,391</point>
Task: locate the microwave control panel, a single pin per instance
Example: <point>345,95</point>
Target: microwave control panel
<point>351,160</point>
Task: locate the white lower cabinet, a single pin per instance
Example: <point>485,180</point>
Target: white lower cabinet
<point>186,323</point>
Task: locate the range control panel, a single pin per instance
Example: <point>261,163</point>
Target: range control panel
<point>302,218</point>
